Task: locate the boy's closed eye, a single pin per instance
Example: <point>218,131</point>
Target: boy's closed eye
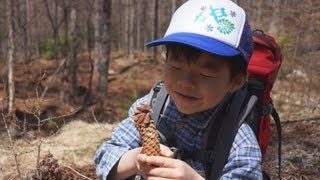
<point>209,75</point>
<point>175,67</point>
<point>209,70</point>
<point>175,64</point>
<point>203,71</point>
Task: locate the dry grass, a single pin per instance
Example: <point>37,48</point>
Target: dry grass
<point>74,145</point>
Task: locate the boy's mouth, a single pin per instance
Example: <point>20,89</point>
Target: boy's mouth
<point>186,96</point>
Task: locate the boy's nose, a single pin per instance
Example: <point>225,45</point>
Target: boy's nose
<point>185,84</point>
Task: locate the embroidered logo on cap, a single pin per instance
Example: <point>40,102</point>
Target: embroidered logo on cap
<point>216,16</point>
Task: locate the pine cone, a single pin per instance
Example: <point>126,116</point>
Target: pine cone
<point>147,130</point>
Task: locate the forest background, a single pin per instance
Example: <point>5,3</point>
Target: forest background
<point>69,70</point>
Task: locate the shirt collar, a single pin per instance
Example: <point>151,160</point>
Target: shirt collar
<point>198,120</point>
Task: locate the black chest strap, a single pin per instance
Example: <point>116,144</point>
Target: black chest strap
<point>226,133</point>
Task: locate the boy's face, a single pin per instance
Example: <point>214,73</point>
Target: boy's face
<point>200,84</point>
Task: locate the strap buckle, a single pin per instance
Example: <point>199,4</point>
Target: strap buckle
<point>267,110</point>
<point>177,153</point>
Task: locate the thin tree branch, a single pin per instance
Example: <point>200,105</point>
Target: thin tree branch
<point>62,116</point>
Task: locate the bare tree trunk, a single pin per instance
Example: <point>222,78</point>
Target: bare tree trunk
<point>28,29</point>
<point>311,68</point>
<point>25,31</point>
<point>130,34</point>
<point>173,6</point>
<point>66,11</point>
<point>126,26</point>
<point>11,55</point>
<point>55,24</point>
<point>97,40</point>
<point>155,26</point>
<point>73,66</point>
<point>34,31</point>
<point>138,26</point>
<point>121,30</point>
<point>106,48</point>
<point>102,23</point>
<point>274,23</point>
<point>144,21</point>
<point>260,11</point>
<point>90,46</point>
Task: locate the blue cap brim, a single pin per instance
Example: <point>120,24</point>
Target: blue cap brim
<point>197,41</point>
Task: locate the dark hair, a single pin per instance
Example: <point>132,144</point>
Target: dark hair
<point>236,64</point>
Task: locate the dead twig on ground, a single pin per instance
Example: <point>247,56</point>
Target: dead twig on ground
<point>39,143</point>
<point>12,144</point>
<point>83,176</point>
<point>94,116</point>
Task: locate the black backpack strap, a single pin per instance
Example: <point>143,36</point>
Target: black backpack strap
<point>227,132</point>
<point>276,119</point>
<point>270,110</point>
<point>158,100</point>
<point>247,110</point>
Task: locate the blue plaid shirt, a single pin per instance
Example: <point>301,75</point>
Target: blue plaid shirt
<point>244,161</point>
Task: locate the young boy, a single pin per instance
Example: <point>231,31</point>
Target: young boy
<point>208,45</point>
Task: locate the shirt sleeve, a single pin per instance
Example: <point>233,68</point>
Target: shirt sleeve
<point>244,161</point>
<point>123,138</point>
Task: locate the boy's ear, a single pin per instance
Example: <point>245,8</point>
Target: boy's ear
<point>239,81</point>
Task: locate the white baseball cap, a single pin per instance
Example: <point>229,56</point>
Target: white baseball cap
<point>216,26</point>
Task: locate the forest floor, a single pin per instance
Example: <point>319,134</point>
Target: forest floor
<point>64,145</point>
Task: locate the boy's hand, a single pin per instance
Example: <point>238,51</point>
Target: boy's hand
<point>164,167</point>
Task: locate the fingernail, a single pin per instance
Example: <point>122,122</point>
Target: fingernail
<point>169,154</point>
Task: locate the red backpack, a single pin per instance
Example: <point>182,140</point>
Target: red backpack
<point>252,105</point>
<point>264,66</point>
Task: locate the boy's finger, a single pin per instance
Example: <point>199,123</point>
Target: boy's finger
<point>160,161</point>
<point>143,107</point>
<point>156,178</point>
<point>143,167</point>
<point>157,167</point>
<point>166,151</point>
<point>166,173</point>
<point>142,158</point>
